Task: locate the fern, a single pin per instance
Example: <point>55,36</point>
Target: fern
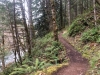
<point>38,64</point>
<point>18,71</point>
<point>22,70</point>
<point>92,35</point>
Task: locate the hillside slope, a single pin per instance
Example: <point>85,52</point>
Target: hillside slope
<point>85,37</point>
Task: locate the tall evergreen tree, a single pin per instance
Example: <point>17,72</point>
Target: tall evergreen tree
<point>55,28</point>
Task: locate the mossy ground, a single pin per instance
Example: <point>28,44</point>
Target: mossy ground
<point>50,70</point>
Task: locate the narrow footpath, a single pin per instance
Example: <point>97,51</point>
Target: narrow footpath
<point>77,64</point>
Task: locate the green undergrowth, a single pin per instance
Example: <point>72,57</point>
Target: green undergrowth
<point>50,70</point>
<point>90,51</point>
<point>84,25</point>
<point>76,28</point>
<point>85,37</point>
<point>91,35</point>
<point>45,53</point>
<point>49,50</point>
<point>80,24</point>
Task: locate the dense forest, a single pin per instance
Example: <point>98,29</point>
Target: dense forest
<point>49,37</point>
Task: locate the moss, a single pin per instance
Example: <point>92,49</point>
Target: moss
<point>50,70</point>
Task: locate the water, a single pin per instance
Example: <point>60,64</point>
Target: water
<point>9,58</point>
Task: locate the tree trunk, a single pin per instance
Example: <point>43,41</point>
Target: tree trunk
<point>69,12</point>
<point>49,14</point>
<point>32,34</point>
<point>75,8</point>
<point>28,44</point>
<point>55,28</point>
<point>61,15</point>
<point>3,54</point>
<point>81,8</point>
<point>17,36</point>
<point>14,40</point>
<point>98,2</point>
<point>65,13</point>
<point>94,4</point>
<point>13,33</point>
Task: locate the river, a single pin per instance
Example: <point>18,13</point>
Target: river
<point>9,58</point>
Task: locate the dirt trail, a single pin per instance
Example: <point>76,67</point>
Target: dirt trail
<point>78,65</point>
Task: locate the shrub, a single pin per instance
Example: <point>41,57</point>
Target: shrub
<point>26,69</point>
<point>49,50</point>
<point>81,23</point>
<point>91,35</point>
<point>52,52</point>
<point>9,69</point>
<point>76,28</point>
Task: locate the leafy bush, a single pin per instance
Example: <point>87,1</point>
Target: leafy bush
<point>91,35</point>
<point>49,50</point>
<point>52,52</point>
<point>40,45</point>
<point>76,28</point>
<point>81,23</point>
<point>8,70</point>
<point>25,68</point>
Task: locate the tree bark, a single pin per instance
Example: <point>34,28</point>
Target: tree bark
<point>17,36</point>
<point>55,28</point>
<point>69,12</point>
<point>28,43</point>
<point>3,54</point>
<point>49,18</point>
<point>13,32</point>
<point>94,5</point>
<point>61,15</point>
<point>65,13</point>
<point>32,33</point>
<point>98,2</point>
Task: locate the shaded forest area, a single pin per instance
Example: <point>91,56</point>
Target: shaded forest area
<point>30,32</point>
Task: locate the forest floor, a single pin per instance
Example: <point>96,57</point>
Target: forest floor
<point>77,64</point>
